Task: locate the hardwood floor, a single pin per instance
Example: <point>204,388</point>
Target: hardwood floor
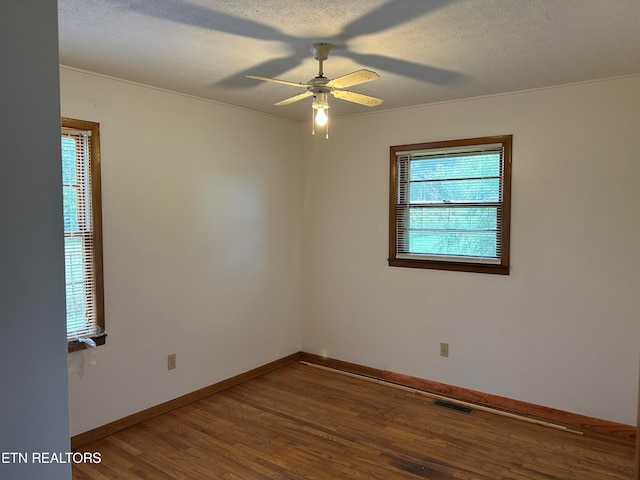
<point>301,422</point>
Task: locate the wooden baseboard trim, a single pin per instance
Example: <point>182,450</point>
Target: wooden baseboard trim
<point>575,420</point>
<point>516,406</point>
<point>82,439</point>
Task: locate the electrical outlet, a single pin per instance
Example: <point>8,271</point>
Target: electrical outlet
<point>444,349</point>
<point>171,361</point>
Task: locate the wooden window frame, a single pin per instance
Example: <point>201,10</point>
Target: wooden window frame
<point>501,268</point>
<point>96,212</point>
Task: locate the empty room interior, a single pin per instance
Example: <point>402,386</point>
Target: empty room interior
<point>276,302</point>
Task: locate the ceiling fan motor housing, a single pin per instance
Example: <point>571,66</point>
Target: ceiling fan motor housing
<point>318,85</point>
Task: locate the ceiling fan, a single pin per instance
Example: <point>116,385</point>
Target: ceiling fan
<point>320,86</point>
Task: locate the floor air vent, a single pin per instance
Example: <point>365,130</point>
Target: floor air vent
<point>453,406</point>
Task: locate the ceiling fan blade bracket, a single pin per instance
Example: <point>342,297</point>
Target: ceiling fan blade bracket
<point>277,80</point>
<point>295,98</point>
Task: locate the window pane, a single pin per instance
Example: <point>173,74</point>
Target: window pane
<point>483,218</point>
<point>469,244</point>
<point>68,161</point>
<point>70,206</point>
<point>486,190</point>
<point>469,166</point>
<point>73,261</point>
<point>76,307</point>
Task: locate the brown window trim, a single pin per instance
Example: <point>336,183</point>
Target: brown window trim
<point>96,199</point>
<point>499,269</point>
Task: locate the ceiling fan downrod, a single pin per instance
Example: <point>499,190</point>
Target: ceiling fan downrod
<point>321,52</point>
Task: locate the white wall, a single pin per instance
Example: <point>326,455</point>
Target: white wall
<point>562,330</point>
<point>34,412</point>
<point>201,217</point>
<point>185,274</point>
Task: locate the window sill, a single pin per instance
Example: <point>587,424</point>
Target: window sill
<point>452,266</point>
<point>75,346</point>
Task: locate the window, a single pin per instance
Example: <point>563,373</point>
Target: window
<point>449,205</point>
<point>82,231</point>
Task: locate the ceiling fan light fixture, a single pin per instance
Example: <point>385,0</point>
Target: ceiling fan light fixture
<point>320,105</point>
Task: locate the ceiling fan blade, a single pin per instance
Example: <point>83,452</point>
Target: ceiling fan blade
<point>295,98</point>
<point>354,97</point>
<point>353,78</point>
<point>276,80</point>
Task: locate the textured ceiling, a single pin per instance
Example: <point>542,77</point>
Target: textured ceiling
<point>424,50</point>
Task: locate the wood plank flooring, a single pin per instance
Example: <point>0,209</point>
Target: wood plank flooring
<point>303,423</point>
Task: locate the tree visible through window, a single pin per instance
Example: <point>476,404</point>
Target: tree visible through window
<point>449,205</point>
<point>80,142</point>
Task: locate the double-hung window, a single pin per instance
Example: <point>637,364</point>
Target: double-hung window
<point>82,231</point>
<point>449,205</point>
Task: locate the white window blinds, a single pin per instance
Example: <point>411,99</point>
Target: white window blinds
<point>79,238</point>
